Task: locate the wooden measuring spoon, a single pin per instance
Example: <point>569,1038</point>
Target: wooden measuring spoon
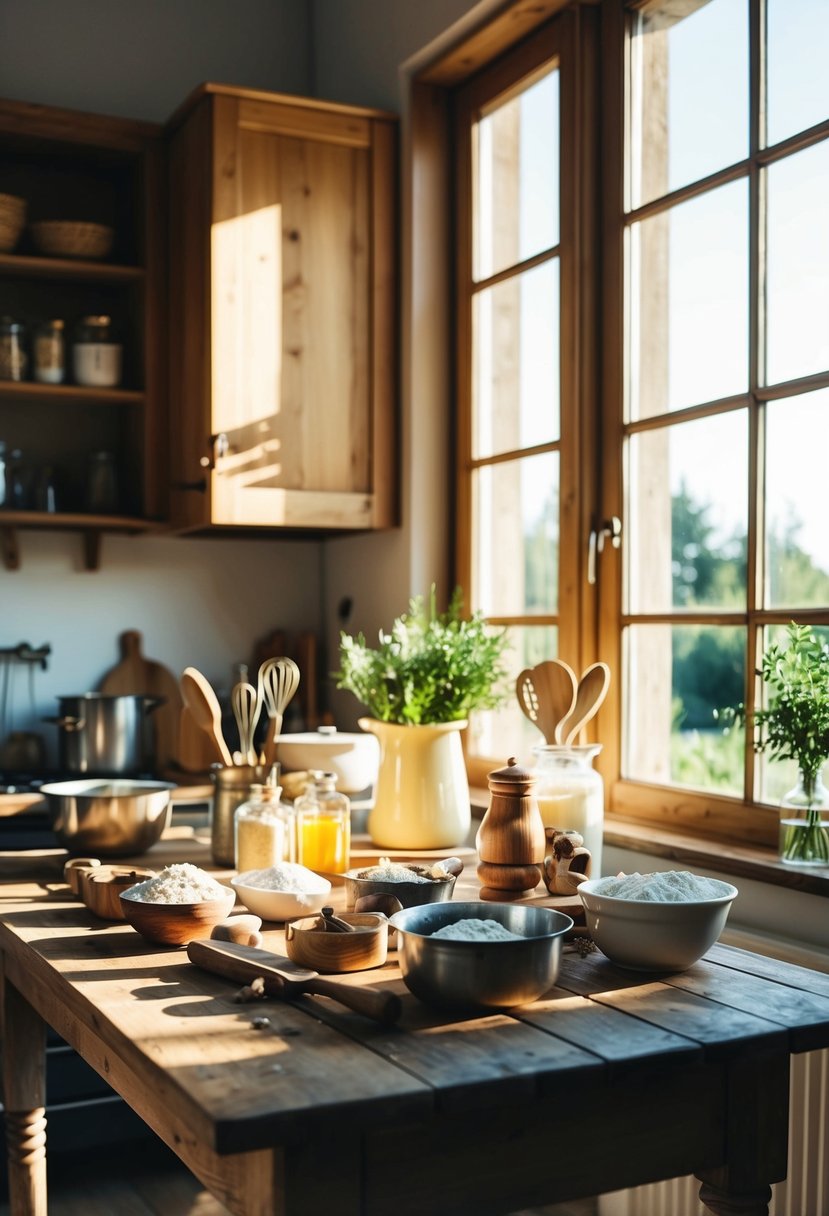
<point>245,703</point>
<point>278,681</point>
<point>285,979</point>
<point>205,709</point>
<point>547,695</point>
<point>592,691</point>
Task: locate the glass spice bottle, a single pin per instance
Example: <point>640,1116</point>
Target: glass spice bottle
<point>13,357</point>
<point>323,825</point>
<point>263,830</point>
<point>49,349</point>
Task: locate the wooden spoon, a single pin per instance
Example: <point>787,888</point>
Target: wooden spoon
<point>245,703</point>
<point>547,695</point>
<point>285,979</point>
<point>205,709</point>
<point>592,691</point>
<point>278,681</point>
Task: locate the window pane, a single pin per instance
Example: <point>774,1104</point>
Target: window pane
<point>797,540</point>
<point>689,79</point>
<point>798,52</point>
<point>689,303</point>
<point>678,676</point>
<point>777,777</point>
<point>507,732</point>
<point>687,511</point>
<point>797,287</point>
<point>517,179</point>
<point>516,363</point>
<point>515,507</point>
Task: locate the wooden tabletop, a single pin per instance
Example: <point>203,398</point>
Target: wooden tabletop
<point>613,1078</point>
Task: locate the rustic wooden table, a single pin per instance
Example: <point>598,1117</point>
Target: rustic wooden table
<point>613,1079</point>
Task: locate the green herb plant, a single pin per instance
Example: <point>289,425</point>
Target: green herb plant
<point>794,725</point>
<point>431,667</point>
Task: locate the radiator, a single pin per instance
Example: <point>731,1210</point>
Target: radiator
<point>806,1189</point>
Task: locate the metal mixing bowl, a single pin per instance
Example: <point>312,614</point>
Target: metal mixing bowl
<point>479,974</point>
<point>104,818</point>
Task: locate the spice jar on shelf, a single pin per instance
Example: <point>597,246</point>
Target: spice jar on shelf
<point>13,357</point>
<point>323,825</point>
<point>49,351</point>
<point>96,356</point>
<point>263,830</point>
<point>102,497</point>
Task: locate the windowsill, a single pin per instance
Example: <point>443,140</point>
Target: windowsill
<point>745,861</point>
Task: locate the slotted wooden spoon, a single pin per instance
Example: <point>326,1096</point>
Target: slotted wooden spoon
<point>592,691</point>
<point>547,695</point>
<point>278,681</point>
<point>205,709</point>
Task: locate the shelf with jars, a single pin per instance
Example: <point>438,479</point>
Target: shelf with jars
<point>82,298</point>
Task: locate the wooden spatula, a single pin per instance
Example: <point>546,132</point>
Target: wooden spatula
<point>592,691</point>
<point>547,694</point>
<point>204,706</point>
<point>286,980</point>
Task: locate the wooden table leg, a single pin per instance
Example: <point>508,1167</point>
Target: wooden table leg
<point>757,1138</point>
<point>24,1099</point>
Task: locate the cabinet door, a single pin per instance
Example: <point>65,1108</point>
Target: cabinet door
<point>301,317</point>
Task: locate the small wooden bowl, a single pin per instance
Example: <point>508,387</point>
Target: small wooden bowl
<point>101,888</point>
<point>176,924</point>
<point>322,950</point>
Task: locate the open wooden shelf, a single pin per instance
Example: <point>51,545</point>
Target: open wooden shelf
<point>72,394</point>
<point>31,267</point>
<point>90,526</point>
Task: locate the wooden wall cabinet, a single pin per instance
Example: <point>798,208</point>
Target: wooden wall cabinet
<point>282,328</point>
<point>75,166</point>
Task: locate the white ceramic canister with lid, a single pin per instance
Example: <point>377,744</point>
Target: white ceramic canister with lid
<point>96,359</point>
<point>570,794</point>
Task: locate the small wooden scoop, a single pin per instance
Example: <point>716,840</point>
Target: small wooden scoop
<point>592,691</point>
<point>286,980</point>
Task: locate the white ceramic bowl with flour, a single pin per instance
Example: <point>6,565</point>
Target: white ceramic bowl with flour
<point>656,922</point>
<point>281,892</point>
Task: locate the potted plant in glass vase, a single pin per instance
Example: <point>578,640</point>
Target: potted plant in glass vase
<point>794,725</point>
<point>419,685</point>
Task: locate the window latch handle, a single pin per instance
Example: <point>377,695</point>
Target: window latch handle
<point>609,531</point>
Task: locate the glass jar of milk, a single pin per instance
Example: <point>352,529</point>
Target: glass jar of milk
<point>570,794</point>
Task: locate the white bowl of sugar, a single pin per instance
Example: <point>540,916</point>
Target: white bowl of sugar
<point>656,922</point>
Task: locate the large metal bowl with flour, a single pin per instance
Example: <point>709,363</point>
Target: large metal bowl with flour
<point>468,973</point>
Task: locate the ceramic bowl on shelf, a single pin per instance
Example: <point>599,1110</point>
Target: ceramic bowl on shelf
<point>176,924</point>
<point>255,889</point>
<point>72,239</point>
<point>651,935</point>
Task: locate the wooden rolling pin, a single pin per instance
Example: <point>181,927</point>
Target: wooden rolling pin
<point>286,980</point>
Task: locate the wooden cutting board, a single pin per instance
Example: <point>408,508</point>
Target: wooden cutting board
<point>137,676</point>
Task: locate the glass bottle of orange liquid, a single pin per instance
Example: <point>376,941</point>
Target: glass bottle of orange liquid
<point>323,826</point>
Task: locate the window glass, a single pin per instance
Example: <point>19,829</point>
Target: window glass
<point>677,679</point>
<point>516,509</point>
<point>689,93</point>
<point>508,732</point>
<point>797,539</point>
<point>798,52</point>
<point>517,179</point>
<point>797,284</point>
<point>516,362</point>
<point>687,511</point>
<point>688,311</point>
<point>778,777</point>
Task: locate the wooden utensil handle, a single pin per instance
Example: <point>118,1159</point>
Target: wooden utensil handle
<point>374,1003</point>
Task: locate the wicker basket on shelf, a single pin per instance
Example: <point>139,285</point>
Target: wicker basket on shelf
<point>12,219</point>
<point>72,238</point>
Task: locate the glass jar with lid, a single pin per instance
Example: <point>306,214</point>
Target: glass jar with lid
<point>49,351</point>
<point>96,356</point>
<point>13,357</point>
<point>323,825</point>
<point>263,830</point>
<point>570,794</point>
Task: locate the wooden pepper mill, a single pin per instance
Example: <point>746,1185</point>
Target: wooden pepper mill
<point>511,840</point>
